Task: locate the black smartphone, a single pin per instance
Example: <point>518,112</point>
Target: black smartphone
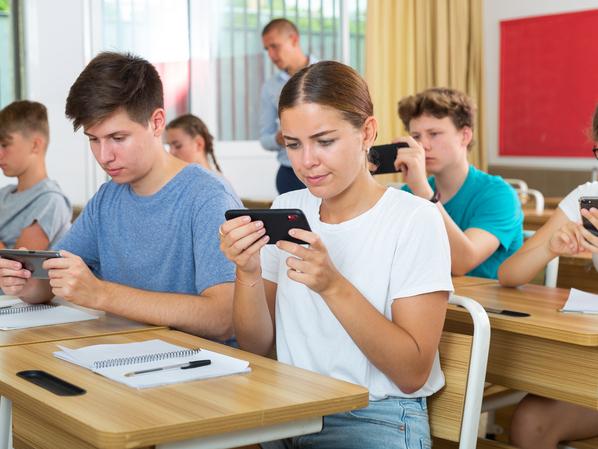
<point>278,222</point>
<point>30,259</point>
<point>587,202</point>
<point>381,158</point>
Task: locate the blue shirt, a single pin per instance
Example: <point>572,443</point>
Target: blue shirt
<point>165,242</point>
<point>487,202</point>
<point>269,123</point>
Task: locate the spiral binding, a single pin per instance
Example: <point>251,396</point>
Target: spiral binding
<point>122,361</point>
<point>24,309</point>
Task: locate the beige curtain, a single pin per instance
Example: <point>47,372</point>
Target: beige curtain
<point>412,45</point>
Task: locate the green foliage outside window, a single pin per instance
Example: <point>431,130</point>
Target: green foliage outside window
<point>4,6</point>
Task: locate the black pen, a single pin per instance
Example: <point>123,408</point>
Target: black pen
<point>184,365</point>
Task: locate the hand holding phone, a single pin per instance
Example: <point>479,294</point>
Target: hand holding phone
<point>381,158</point>
<point>587,202</point>
<point>30,260</point>
<point>277,222</point>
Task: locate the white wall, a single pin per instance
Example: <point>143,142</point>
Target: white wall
<point>494,12</point>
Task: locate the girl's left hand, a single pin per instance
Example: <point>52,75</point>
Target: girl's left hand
<point>590,241</point>
<point>310,266</point>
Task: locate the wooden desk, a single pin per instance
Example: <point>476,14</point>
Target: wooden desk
<point>533,221</point>
<point>577,272</point>
<point>470,281</point>
<point>549,353</point>
<point>113,416</point>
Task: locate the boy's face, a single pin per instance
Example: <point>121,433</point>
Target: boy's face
<point>123,147</point>
<point>16,153</point>
<point>444,144</point>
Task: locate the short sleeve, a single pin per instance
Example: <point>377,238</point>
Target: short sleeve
<point>498,211</point>
<point>82,238</point>
<point>53,213</point>
<point>422,259</point>
<point>211,265</point>
<point>570,204</point>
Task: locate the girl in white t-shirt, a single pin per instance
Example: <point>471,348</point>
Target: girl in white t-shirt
<point>540,422</point>
<point>365,299</point>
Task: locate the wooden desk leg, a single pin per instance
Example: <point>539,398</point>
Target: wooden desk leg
<point>250,436</point>
<point>5,423</point>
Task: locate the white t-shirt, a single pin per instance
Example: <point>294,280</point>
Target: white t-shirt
<point>398,248</point>
<point>570,206</point>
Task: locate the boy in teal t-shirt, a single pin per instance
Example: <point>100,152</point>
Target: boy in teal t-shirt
<point>481,212</point>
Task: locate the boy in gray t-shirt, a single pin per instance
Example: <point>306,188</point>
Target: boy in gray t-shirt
<point>146,245</point>
<point>34,213</point>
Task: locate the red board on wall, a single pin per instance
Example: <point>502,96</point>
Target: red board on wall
<point>548,85</point>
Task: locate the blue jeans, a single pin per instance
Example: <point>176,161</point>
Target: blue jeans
<point>392,423</point>
<point>286,180</point>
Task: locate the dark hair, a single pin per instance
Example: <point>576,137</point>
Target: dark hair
<point>438,102</point>
<point>194,126</point>
<point>332,84</point>
<point>112,81</point>
<point>280,24</point>
<point>24,117</point>
<point>595,125</point>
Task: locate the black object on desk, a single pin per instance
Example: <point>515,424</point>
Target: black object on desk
<point>51,383</point>
<point>513,313</point>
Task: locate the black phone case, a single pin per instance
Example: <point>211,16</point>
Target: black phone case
<point>382,157</point>
<point>587,202</point>
<point>31,260</point>
<point>278,222</point>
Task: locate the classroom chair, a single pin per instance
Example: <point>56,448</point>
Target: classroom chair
<point>455,410</point>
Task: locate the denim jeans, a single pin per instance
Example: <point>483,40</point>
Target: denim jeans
<point>392,423</point>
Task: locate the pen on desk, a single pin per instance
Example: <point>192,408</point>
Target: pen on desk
<point>6,307</point>
<point>184,365</point>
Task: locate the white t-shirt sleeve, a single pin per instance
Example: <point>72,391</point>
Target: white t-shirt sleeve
<point>570,204</point>
<point>422,260</point>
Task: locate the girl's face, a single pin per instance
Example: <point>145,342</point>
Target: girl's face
<point>184,146</point>
<point>326,151</point>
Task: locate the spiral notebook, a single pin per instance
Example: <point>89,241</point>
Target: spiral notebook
<point>16,314</point>
<point>152,363</point>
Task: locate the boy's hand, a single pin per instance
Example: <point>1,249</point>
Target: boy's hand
<point>71,279</point>
<point>412,162</point>
<point>13,277</point>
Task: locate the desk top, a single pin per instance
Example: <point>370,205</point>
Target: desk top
<point>112,415</point>
<point>106,324</point>
<point>469,281</point>
<point>541,303</point>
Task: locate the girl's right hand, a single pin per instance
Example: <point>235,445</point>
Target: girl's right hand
<point>241,241</point>
<point>567,240</point>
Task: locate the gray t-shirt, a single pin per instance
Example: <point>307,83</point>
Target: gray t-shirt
<point>43,203</point>
<point>165,242</point>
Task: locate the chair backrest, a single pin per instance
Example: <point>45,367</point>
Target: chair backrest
<point>525,195</point>
<point>455,410</point>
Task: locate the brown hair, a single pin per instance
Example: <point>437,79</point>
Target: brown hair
<point>194,126</point>
<point>595,125</point>
<point>112,81</point>
<point>332,84</point>
<point>280,25</point>
<point>438,102</point>
<point>24,117</point>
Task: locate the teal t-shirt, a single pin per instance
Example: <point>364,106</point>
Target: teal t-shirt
<point>487,202</point>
